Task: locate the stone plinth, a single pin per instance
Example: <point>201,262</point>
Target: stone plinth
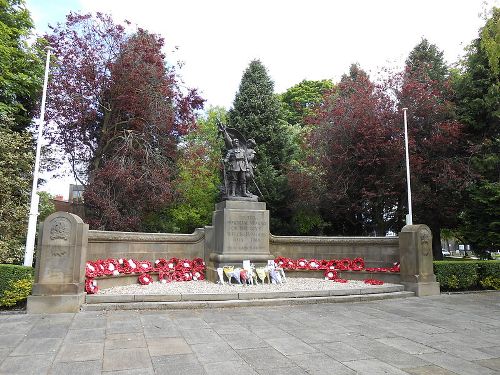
<point>240,231</point>
<point>417,272</point>
<point>60,265</point>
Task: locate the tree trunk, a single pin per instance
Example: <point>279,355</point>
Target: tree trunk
<point>436,242</point>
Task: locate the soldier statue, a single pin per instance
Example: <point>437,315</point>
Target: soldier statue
<point>238,164</point>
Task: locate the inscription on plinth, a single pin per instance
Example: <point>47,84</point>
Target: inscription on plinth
<point>241,232</point>
<point>247,233</point>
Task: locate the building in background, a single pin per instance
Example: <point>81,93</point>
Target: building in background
<point>74,204</point>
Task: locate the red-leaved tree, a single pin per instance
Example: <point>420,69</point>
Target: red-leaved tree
<point>438,160</point>
<point>119,111</point>
<point>356,155</point>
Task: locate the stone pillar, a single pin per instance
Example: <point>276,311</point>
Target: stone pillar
<point>60,265</point>
<point>417,273</point>
<point>240,231</point>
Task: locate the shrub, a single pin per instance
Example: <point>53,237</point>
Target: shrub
<point>489,274</point>
<point>454,275</point>
<point>10,272</point>
<point>18,291</point>
<point>463,275</point>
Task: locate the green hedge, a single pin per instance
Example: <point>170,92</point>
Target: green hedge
<point>467,275</point>
<point>12,273</point>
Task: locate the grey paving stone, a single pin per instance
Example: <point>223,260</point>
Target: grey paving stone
<point>190,323</point>
<point>270,332</point>
<point>244,341</point>
<point>80,352</point>
<point>373,367</point>
<point>214,352</point>
<point>161,346</point>
<point>320,363</point>
<point>85,335</point>
<point>455,364</point>
<point>125,341</point>
<point>461,350</point>
<point>30,365</point>
<point>341,351</point>
<point>493,363</point>
<point>136,371</point>
<point>4,353</point>
<point>406,345</point>
<point>49,331</point>
<point>228,328</point>
<point>76,368</point>
<point>126,359</point>
<point>290,346</point>
<point>178,364</point>
<point>313,336</point>
<point>161,332</point>
<point>265,358</point>
<point>131,325</point>
<point>88,323</point>
<point>228,368</point>
<point>282,371</point>
<point>9,340</point>
<point>37,346</point>
<point>429,370</point>
<point>200,336</point>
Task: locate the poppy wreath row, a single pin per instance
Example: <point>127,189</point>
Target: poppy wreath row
<point>345,264</point>
<point>173,269</point>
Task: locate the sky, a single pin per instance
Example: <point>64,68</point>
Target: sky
<point>295,40</point>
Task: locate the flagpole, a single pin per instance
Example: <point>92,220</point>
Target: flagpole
<point>409,217</point>
<point>30,237</point>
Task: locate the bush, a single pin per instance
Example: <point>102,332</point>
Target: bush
<point>454,275</point>
<point>489,274</point>
<point>11,273</point>
<point>465,275</point>
<point>18,291</point>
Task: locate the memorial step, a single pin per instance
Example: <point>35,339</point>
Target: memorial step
<point>195,301</point>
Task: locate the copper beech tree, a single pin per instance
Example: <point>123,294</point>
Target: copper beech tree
<point>119,110</point>
<point>355,173</point>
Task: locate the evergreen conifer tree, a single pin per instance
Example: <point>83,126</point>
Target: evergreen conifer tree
<point>256,114</point>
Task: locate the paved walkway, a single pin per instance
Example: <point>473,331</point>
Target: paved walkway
<point>447,334</point>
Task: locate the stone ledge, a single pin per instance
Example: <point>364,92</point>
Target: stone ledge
<point>247,296</point>
<point>242,303</point>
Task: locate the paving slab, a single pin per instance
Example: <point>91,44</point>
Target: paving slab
<point>439,335</point>
<point>30,365</point>
<point>77,368</point>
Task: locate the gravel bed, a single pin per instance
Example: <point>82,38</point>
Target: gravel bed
<point>203,287</point>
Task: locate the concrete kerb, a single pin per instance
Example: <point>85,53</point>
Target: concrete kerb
<point>243,302</point>
<point>208,300</point>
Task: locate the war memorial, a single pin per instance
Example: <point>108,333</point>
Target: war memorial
<point>74,261</point>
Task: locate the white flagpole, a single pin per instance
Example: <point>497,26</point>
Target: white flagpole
<point>30,238</point>
<point>409,217</point>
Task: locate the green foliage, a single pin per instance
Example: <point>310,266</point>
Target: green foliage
<point>199,178</point>
<point>456,275</point>
<point>256,113</point>
<point>478,97</point>
<point>11,273</point>
<point>464,275</point>
<point>490,41</point>
<point>21,65</point>
<point>428,58</point>
<point>16,163</point>
<point>17,292</point>
<point>45,205</point>
<point>300,100</point>
<point>491,282</point>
